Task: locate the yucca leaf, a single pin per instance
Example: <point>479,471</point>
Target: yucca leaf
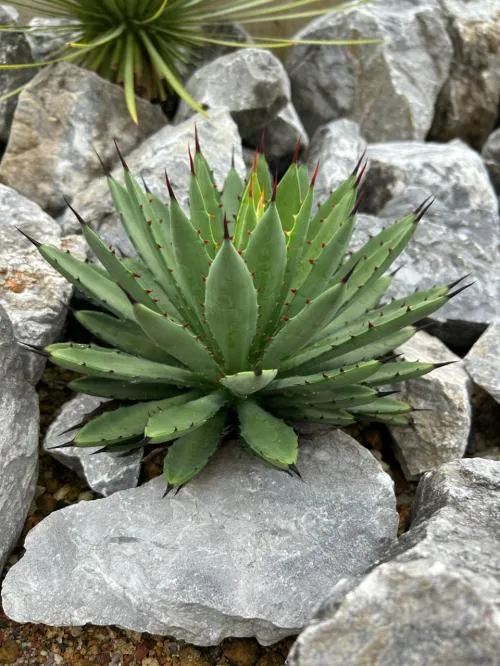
<point>177,341</point>
<point>123,334</point>
<point>267,436</point>
<point>101,362</point>
<point>231,306</point>
<point>121,390</point>
<point>190,453</point>
<point>124,422</point>
<point>167,424</point>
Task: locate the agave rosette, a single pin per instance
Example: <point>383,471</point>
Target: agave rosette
<point>250,306</point>
<point>146,44</point>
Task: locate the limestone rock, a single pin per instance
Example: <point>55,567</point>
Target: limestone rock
<point>491,157</point>
<point>436,598</point>
<point>43,39</point>
<point>242,550</point>
<point>63,117</point>
<point>34,295</point>
<point>389,88</point>
<point>281,135</point>
<point>14,49</point>
<point>18,440</point>
<point>167,149</point>
<point>251,83</point>
<point>105,473</point>
<point>483,361</point>
<point>440,433</point>
<point>467,106</point>
<point>337,147</point>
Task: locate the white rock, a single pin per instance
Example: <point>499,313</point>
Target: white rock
<point>483,361</point>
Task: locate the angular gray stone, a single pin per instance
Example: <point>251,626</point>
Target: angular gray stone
<point>231,31</point>
<point>14,49</point>
<point>441,432</point>
<point>251,83</point>
<point>460,233</point>
<point>483,361</point>
<point>242,550</point>
<point>281,134</point>
<point>389,88</point>
<point>167,149</point>
<point>491,157</point>
<point>105,473</point>
<point>436,598</point>
<point>63,117</point>
<point>43,39</point>
<point>467,106</point>
<point>34,295</point>
<point>337,147</point>
<point>18,440</point>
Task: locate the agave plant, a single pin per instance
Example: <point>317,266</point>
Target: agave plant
<point>146,44</point>
<point>250,309</point>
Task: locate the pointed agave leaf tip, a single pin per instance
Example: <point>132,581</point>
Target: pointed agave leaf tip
<point>421,210</point>
<point>395,271</point>
<point>359,163</point>
<point>75,213</point>
<point>457,291</point>
<point>296,150</point>
<point>33,348</point>
<point>461,279</point>
<point>132,300</point>
<point>359,201</point>
<point>122,159</point>
<point>360,175</point>
<point>315,175</point>
<point>104,168</point>
<point>168,490</point>
<point>226,229</point>
<point>196,139</point>
<point>444,364</point>
<point>348,275</point>
<point>232,157</point>
<point>169,187</point>
<point>293,468</point>
<point>145,185</point>
<point>275,188</point>
<point>66,445</point>
<point>191,162</point>
<point>31,240</point>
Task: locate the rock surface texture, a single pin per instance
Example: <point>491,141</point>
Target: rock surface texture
<point>251,83</point>
<point>242,550</point>
<point>467,106</point>
<point>63,117</point>
<point>34,295</point>
<point>491,157</point>
<point>105,473</point>
<point>281,134</point>
<point>460,234</point>
<point>389,88</point>
<point>165,150</point>
<point>436,599</point>
<point>483,361</point>
<point>440,432</point>
<point>18,440</point>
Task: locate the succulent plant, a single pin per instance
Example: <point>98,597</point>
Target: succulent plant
<point>146,44</point>
<point>248,309</point>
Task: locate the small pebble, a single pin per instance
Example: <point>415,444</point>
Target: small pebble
<point>189,656</point>
<point>242,652</point>
<point>9,652</point>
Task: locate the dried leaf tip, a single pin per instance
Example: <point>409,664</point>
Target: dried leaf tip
<point>359,163</point>
<point>191,162</point>
<point>275,188</point>
<point>457,291</point>
<point>359,202</point>
<point>421,210</point>
<point>360,175</point>
<point>226,229</point>
<point>461,279</point>
<point>171,192</point>
<point>75,213</point>
<point>120,155</point>
<point>145,185</point>
<point>196,140</point>
<point>296,150</point>
<point>315,175</point>
<point>104,168</point>
<point>27,236</point>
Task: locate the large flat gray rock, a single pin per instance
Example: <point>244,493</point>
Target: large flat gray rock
<point>167,149</point>
<point>105,473</point>
<point>483,361</point>
<point>440,433</point>
<point>63,117</point>
<point>389,88</point>
<point>242,550</point>
<point>18,440</point>
<point>34,295</point>
<point>251,83</point>
<point>491,157</point>
<point>436,598</point>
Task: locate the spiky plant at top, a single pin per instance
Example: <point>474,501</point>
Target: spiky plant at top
<point>146,44</point>
<point>251,305</point>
